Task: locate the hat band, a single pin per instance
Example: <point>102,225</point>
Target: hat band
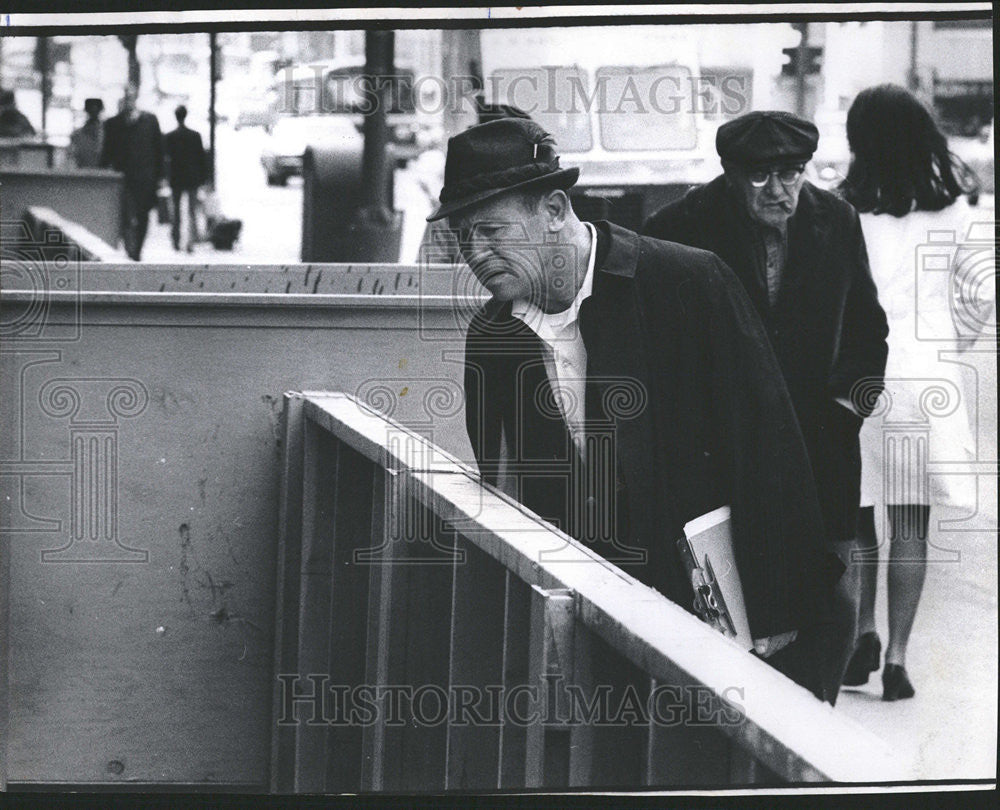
<point>491,181</point>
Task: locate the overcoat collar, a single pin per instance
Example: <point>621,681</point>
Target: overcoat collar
<point>612,325</point>
<point>807,228</point>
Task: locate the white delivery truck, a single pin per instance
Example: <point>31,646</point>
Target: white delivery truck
<point>635,107</point>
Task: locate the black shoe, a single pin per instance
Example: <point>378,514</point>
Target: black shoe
<point>864,661</point>
<point>895,684</point>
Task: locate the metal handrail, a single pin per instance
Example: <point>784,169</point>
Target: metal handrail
<point>782,726</point>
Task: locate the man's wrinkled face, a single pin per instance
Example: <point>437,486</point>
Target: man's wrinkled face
<point>495,239</point>
<point>770,194</point>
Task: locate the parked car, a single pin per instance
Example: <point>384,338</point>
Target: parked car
<point>289,137</point>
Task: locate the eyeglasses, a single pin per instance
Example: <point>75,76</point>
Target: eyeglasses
<point>788,176</point>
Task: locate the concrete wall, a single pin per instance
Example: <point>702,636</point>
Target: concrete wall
<point>139,451</point>
<point>89,197</point>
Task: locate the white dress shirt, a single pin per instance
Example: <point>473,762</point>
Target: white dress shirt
<point>565,353</point>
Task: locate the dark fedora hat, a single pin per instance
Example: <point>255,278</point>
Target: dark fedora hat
<point>766,136</point>
<point>497,157</point>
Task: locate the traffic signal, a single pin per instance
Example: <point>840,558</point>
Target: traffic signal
<point>814,59</point>
<point>812,56</point>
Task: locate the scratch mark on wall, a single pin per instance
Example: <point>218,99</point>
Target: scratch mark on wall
<point>185,533</point>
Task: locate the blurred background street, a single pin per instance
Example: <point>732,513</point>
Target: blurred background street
<point>641,129</point>
<point>272,215</point>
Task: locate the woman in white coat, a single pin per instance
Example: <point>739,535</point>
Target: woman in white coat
<point>908,189</point>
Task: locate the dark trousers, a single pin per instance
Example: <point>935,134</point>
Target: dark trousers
<point>819,655</point>
<point>179,194</point>
<point>135,223</point>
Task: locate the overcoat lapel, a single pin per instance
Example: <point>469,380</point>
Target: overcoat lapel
<point>612,327</point>
<point>738,235</point>
<point>804,263</point>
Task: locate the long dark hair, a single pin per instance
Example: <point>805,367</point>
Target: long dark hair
<point>899,156</point>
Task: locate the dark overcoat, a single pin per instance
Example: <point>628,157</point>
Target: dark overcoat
<point>681,374</point>
<point>135,148</point>
<point>185,158</point>
<point>826,326</point>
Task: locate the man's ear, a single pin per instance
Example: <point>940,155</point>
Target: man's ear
<point>556,206</point>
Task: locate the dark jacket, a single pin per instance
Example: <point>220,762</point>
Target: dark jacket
<point>185,158</point>
<point>683,381</point>
<point>135,148</point>
<point>827,327</point>
<point>15,124</point>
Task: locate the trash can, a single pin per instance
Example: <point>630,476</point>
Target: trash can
<point>332,228</point>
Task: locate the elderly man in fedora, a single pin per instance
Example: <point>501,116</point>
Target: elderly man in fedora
<point>800,255</point>
<point>620,386</point>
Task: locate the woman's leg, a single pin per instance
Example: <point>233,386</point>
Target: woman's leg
<point>908,525</point>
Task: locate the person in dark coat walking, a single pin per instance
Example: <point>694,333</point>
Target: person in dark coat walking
<point>186,173</point>
<point>87,142</point>
<point>133,145</point>
<point>13,122</point>
<point>620,386</point>
<point>800,254</point>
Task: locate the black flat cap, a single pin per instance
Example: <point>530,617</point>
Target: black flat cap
<point>489,159</point>
<point>93,104</point>
<point>766,136</point>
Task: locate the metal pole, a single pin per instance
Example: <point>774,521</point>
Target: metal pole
<point>461,58</point>
<point>42,59</point>
<point>376,229</point>
<point>914,77</point>
<point>800,72</point>
<point>213,56</point>
<point>379,46</point>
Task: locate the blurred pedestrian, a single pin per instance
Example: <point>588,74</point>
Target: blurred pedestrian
<point>87,141</point>
<point>13,122</point>
<point>906,185</point>
<point>186,173</point>
<point>801,257</point>
<point>133,145</point>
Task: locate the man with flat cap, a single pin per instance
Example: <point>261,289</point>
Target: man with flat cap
<point>800,254</point>
<point>620,386</point>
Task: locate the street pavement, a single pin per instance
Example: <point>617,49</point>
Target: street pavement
<point>949,729</point>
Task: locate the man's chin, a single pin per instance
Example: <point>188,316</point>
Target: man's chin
<point>774,216</point>
<point>501,292</point>
<point>496,282</point>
